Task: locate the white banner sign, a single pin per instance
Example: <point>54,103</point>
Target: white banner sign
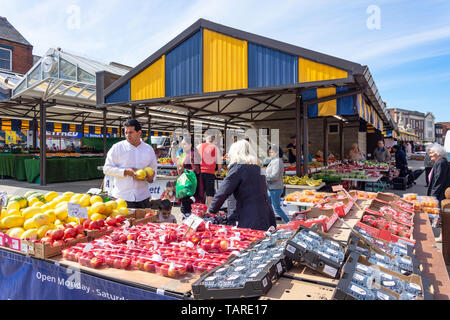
<point>156,188</point>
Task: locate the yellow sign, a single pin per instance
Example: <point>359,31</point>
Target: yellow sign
<point>10,137</point>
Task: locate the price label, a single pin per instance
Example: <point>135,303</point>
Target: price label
<point>3,198</point>
<point>193,221</point>
<point>3,240</point>
<point>76,211</point>
<point>337,188</point>
<point>24,248</point>
<point>94,191</point>
<point>14,244</point>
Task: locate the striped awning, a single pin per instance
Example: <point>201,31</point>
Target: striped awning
<point>368,113</point>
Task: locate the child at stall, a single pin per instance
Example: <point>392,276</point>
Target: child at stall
<point>165,212</point>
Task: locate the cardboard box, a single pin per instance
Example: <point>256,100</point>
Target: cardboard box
<point>376,205</point>
<point>325,224</point>
<point>95,234</point>
<point>46,250</point>
<point>251,289</point>
<point>355,244</point>
<point>349,268</point>
<point>313,260</point>
<point>384,235</point>
<point>388,218</point>
<point>142,219</point>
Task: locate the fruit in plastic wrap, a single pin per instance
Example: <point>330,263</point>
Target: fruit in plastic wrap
<point>359,292</point>
<point>382,295</point>
<point>413,288</point>
<point>362,279</point>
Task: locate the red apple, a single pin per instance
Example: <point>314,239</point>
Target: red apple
<point>110,228</point>
<point>132,236</point>
<point>94,225</point>
<point>79,228</point>
<point>120,219</point>
<point>224,245</point>
<point>115,238</point>
<point>109,261</point>
<point>117,263</point>
<point>56,234</point>
<point>58,243</point>
<point>79,236</point>
<point>96,262</point>
<point>70,233</point>
<point>125,263</point>
<point>123,238</point>
<point>101,223</point>
<point>111,221</point>
<point>149,266</point>
<point>69,240</point>
<point>172,272</point>
<point>46,239</point>
<point>86,224</point>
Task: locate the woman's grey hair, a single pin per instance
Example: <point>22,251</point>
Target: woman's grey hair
<point>242,152</point>
<point>439,150</point>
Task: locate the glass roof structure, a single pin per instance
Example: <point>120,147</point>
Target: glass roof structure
<point>65,76</point>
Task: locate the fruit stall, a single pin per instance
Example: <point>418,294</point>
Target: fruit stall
<point>353,245</point>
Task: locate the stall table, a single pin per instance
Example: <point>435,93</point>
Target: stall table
<point>295,187</point>
<point>13,165</point>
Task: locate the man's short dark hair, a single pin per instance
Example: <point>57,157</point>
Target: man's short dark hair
<point>165,205</point>
<point>133,123</point>
<point>293,137</point>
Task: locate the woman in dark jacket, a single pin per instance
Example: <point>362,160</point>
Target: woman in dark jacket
<point>190,161</point>
<point>250,203</point>
<point>439,176</point>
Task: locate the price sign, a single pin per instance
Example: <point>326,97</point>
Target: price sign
<point>24,248</point>
<point>337,188</point>
<point>3,199</point>
<point>76,211</point>
<point>14,244</point>
<point>94,191</point>
<point>3,240</point>
<point>193,221</point>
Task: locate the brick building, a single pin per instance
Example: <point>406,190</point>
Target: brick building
<point>16,53</point>
<point>408,119</point>
<point>445,128</point>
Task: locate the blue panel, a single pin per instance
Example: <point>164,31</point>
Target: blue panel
<point>49,126</point>
<point>313,109</point>
<point>122,94</point>
<point>3,96</point>
<point>16,123</point>
<point>78,127</point>
<point>184,67</point>
<point>268,67</point>
<point>344,105</point>
<point>65,127</point>
<point>92,129</point>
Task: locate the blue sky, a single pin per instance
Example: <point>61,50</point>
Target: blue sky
<point>409,55</point>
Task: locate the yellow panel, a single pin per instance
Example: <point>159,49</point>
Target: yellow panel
<point>25,125</point>
<point>328,108</point>
<point>86,129</point>
<point>57,127</point>
<point>72,128</point>
<point>110,130</point>
<point>224,62</point>
<point>98,130</point>
<point>150,83</point>
<point>309,71</point>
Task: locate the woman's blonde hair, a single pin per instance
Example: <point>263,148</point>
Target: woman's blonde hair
<point>242,152</point>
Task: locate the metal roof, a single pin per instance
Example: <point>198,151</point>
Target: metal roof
<point>8,32</point>
<point>263,101</point>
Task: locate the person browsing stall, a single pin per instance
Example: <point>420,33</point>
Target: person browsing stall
<point>247,189</point>
<point>165,212</point>
<point>439,177</point>
<point>210,157</point>
<point>124,159</point>
<point>381,153</point>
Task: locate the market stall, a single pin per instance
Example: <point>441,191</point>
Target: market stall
<point>166,261</point>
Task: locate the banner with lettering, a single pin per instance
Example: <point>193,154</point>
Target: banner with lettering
<point>25,278</point>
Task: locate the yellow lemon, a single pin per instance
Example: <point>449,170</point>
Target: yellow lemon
<point>95,199</point>
<point>13,221</point>
<point>121,203</point>
<point>124,211</point>
<point>58,223</point>
<point>50,196</point>
<point>15,232</point>
<point>37,204</point>
<point>68,194</point>
<point>12,212</point>
<point>76,198</point>
<point>59,199</point>
<point>51,205</point>
<point>30,212</point>
<point>41,219</point>
<point>32,201</point>
<point>150,172</point>
<point>62,204</point>
<point>141,174</point>
<point>109,207</point>
<point>42,231</point>
<point>29,224</point>
<point>13,205</point>
<point>29,235</point>
<point>61,213</point>
<point>97,216</point>
<point>45,207</point>
<point>98,207</point>
<point>51,215</point>
<point>72,219</point>
<point>115,213</point>
<point>85,200</point>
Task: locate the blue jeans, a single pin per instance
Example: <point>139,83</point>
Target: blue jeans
<point>275,197</point>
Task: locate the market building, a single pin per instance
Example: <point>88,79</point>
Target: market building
<point>243,79</point>
<point>439,133</point>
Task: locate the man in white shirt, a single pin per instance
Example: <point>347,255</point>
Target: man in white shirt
<point>124,159</point>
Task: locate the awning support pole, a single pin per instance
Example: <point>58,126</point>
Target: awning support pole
<point>104,134</point>
<point>305,138</point>
<point>341,141</point>
<point>43,144</point>
<point>298,106</point>
<point>325,141</point>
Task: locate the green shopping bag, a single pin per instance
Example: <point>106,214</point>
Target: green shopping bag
<point>186,185</point>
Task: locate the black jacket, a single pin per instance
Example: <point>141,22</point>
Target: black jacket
<point>250,202</point>
<point>440,179</point>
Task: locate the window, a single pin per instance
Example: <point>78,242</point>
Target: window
<point>5,59</point>
<point>333,128</point>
